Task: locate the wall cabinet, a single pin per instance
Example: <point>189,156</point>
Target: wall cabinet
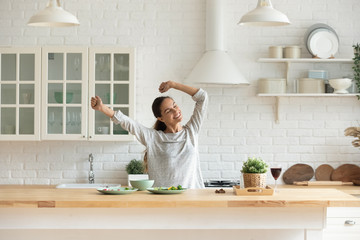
<point>20,80</point>
<point>111,77</point>
<point>64,93</point>
<point>69,77</point>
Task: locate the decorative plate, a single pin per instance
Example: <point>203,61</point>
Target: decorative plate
<point>323,43</point>
<point>117,190</point>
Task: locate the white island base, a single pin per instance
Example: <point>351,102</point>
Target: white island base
<point>245,223</point>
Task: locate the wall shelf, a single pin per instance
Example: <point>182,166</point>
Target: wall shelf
<point>305,60</point>
<point>306,95</point>
<point>288,62</point>
<point>278,95</point>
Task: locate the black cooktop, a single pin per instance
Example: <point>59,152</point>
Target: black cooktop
<point>221,183</point>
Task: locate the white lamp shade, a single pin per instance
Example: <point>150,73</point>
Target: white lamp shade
<point>216,67</point>
<point>53,16</point>
<point>264,16</point>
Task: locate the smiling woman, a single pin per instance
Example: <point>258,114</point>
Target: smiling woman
<point>172,155</point>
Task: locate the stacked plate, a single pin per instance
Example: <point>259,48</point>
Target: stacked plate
<point>322,41</point>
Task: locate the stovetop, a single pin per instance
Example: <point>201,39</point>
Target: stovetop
<point>221,183</point>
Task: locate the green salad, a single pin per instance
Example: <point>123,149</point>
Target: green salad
<point>179,187</point>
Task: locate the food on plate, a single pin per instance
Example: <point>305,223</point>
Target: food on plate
<point>179,187</point>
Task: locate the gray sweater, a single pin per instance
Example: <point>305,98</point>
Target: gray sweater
<point>173,158</point>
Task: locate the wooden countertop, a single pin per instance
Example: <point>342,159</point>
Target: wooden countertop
<point>50,197</point>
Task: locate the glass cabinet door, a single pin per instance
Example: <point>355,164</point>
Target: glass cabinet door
<point>20,80</point>
<point>111,77</point>
<point>64,91</point>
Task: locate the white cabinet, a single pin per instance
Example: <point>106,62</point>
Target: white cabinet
<point>111,77</point>
<point>64,93</point>
<point>20,80</point>
<point>69,77</point>
<point>342,223</point>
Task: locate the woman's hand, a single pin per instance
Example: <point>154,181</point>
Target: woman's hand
<point>165,86</point>
<point>96,103</point>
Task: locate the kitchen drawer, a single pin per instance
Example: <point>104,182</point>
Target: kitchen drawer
<point>343,212</point>
<point>342,223</point>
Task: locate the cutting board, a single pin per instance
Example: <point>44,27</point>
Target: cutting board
<point>297,173</point>
<point>346,173</point>
<point>323,172</point>
<point>323,183</point>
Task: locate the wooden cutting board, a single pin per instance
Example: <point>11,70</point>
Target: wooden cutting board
<point>323,172</point>
<point>297,173</point>
<point>346,173</point>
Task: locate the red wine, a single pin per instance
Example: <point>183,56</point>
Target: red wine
<point>275,172</point>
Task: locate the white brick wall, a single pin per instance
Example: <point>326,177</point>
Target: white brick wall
<point>169,36</point>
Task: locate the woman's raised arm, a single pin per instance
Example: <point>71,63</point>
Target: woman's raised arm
<point>165,86</point>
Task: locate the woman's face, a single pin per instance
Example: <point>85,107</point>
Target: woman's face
<point>170,112</point>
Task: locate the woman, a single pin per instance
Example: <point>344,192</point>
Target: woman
<point>172,156</point>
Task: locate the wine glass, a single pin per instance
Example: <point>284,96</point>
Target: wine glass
<point>51,119</point>
<point>275,172</point>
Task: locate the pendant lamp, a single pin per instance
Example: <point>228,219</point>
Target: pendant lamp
<point>53,16</point>
<point>264,15</point>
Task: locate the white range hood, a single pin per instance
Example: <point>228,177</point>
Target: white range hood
<point>215,66</point>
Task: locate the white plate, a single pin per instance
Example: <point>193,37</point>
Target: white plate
<point>323,43</point>
<point>315,27</point>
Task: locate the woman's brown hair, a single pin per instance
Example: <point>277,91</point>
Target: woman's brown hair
<point>159,125</point>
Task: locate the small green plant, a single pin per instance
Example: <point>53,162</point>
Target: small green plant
<point>356,67</point>
<point>254,165</point>
<point>135,167</point>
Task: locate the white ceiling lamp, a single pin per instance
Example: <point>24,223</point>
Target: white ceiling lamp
<point>264,15</point>
<point>53,16</point>
<point>215,66</point>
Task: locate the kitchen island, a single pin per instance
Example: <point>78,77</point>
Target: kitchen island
<point>49,213</point>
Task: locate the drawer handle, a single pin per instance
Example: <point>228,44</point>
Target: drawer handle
<point>350,222</point>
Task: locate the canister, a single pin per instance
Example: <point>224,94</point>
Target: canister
<point>311,85</point>
<point>272,85</point>
<point>275,52</point>
<point>292,52</point>
<point>323,74</point>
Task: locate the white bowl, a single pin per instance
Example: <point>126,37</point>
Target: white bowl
<point>340,84</point>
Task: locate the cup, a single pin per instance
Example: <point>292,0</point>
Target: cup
<point>26,98</point>
<point>103,130</point>
<point>9,129</point>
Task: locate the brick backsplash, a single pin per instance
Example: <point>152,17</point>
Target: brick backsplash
<point>169,37</point>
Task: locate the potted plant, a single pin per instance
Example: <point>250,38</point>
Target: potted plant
<point>254,172</point>
<point>136,170</point>
<point>356,67</point>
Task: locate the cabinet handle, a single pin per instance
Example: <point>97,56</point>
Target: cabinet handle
<point>83,136</point>
<point>90,137</point>
<point>350,222</point>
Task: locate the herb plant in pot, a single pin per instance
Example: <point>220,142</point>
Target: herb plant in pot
<point>136,170</point>
<point>254,172</point>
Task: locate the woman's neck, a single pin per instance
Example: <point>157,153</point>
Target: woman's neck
<point>173,129</point>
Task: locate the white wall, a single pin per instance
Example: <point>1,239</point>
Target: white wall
<point>169,38</point>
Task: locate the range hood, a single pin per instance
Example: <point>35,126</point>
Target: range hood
<point>215,66</point>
